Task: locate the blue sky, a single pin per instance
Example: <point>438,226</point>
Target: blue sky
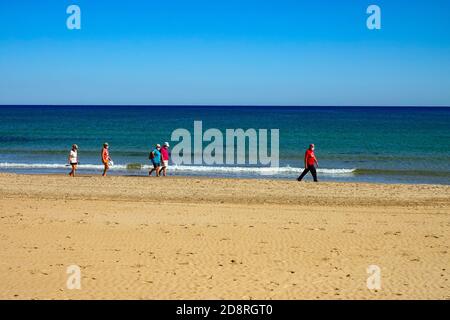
<point>225,52</point>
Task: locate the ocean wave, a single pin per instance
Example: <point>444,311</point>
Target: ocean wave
<point>256,170</point>
<point>179,168</point>
<point>425,173</point>
<point>9,165</point>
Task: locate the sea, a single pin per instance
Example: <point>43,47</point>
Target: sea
<point>353,144</point>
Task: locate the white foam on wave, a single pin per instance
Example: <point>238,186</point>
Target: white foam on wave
<point>8,165</point>
<point>258,170</point>
<point>182,168</point>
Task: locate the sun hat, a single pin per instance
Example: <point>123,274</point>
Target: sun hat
<point>158,145</point>
<point>74,146</point>
<point>106,144</point>
<point>166,144</point>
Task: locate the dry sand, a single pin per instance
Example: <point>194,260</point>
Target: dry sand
<point>189,238</point>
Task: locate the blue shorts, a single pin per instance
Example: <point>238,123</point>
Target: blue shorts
<point>156,164</point>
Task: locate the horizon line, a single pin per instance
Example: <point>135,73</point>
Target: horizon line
<point>224,105</point>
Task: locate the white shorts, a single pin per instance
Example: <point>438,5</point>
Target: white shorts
<point>165,163</point>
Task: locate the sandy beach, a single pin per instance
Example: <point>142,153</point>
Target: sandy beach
<point>199,238</point>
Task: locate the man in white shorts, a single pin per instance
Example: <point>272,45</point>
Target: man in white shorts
<point>165,158</point>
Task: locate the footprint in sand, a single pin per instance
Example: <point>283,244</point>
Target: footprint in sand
<point>388,233</point>
<point>432,236</point>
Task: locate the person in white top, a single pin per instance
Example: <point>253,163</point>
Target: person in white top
<point>73,159</point>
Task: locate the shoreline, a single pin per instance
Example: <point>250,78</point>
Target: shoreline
<point>222,238</point>
<point>323,178</point>
<point>307,179</point>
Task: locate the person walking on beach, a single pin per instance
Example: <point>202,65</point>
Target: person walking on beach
<point>165,158</point>
<point>73,159</point>
<point>105,158</point>
<point>310,163</point>
<point>155,157</point>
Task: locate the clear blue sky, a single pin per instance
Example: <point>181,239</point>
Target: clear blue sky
<point>225,52</point>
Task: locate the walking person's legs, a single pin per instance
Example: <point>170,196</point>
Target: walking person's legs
<point>74,168</point>
<point>313,172</point>
<point>303,174</point>
<point>105,169</point>
<point>165,163</point>
<point>152,169</point>
<point>156,168</point>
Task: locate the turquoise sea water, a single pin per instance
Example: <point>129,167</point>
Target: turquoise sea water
<point>393,145</point>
